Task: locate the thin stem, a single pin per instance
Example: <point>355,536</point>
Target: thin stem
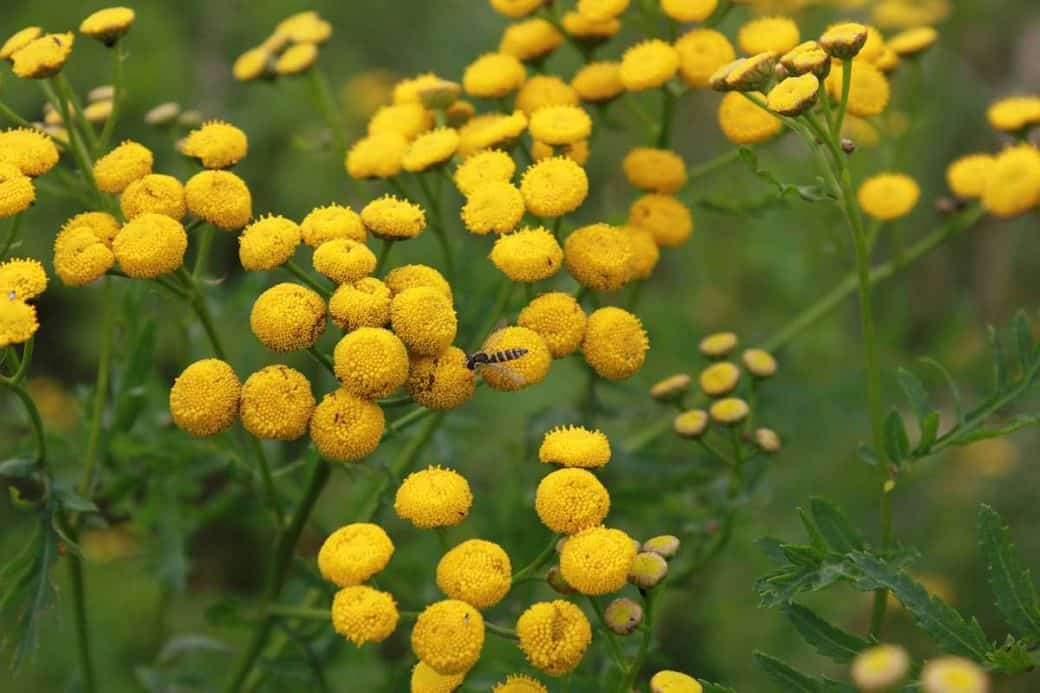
<point>297,271</point>
<point>712,165</point>
<point>12,234</point>
<point>501,303</point>
<point>117,87</point>
<point>23,365</point>
<point>668,99</point>
<point>100,390</point>
<point>540,560</point>
<point>265,477</point>
<point>79,153</point>
<point>35,422</point>
<point>500,631</point>
<point>81,120</point>
<point>79,609</point>
<point>326,106</point>
<point>615,647</point>
<point>299,612</point>
<point>846,87</point>
<point>8,113</point>
<point>437,227</point>
<point>384,256</point>
<point>322,359</point>
<point>202,252</point>
<point>629,679</point>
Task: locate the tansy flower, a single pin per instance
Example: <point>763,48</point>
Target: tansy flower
<point>344,261</point>
<point>554,636</point>
<point>529,369</point>
<point>18,321</point>
<point>664,545</point>
<point>776,34</point>
<point>216,144</point>
<point>220,198</point>
<point>645,252</point>
<point>288,317</point>
<point>98,112</point>
<point>459,113</point>
<point>409,90</point>
<point>485,167</point>
<point>575,446</point>
<point>433,497</point>
<point>296,59</point>
<point>393,218</point>
<point>615,343</point>
<point>719,378</point>
<point>268,243</point>
<point>667,681</point>
<point>426,680</point>
<point>123,165</point>
<point>80,257</point>
<point>18,40</point>
<point>331,222</point>
<point>163,115</point>
<point>304,27</point>
<point>672,388</point>
<point>370,362</point>
<point>655,170</point>
<point>1013,114</point>
<point>407,119</point>
<point>365,303</point>
<point>516,8</point>
<point>204,398</point>
<point>559,125</point>
<point>743,122</point>
<point>807,57</point>
<point>869,92</point>
<point>17,192</point>
<point>411,276</point>
<point>953,675</point>
<point>346,428</point>
<point>531,39</point>
<point>101,224</point>
<point>108,25</point>
<point>448,636</point>
<point>377,156</point>
<point>150,245</point>
<point>759,363</point>
<point>424,319</point>
<point>529,255</point>
<point>602,10</point>
<point>554,187</point>
<point>794,95</point>
<point>647,570</point>
<point>689,10</point>
<point>493,75</point>
<point>967,176</point>
<point>623,616</point>
<point>490,130</point>
<point>545,90</point>
<point>745,74</point>
<point>23,277</point>
<point>430,149</point>
<point>597,560</point>
<point>587,30</point>
<point>1013,184</point>
<point>598,82</point>
<point>519,683</point>
<point>570,500</point>
<point>913,41</point>
<point>493,207</point>
<point>156,194</point>
<point>880,667</point>
<point>845,40</point>
<point>30,151</point>
<point>253,64</point>
<point>559,319</point>
<point>276,403</point>
<point>577,152</point>
<point>690,424</point>
<point>43,57</point>
<point>441,381</point>
<point>888,196</point>
<point>599,257</point>
<point>648,65</point>
<point>354,553</point>
<point>729,411</point>
<point>718,345</point>
<point>363,614</point>
<point>476,572</point>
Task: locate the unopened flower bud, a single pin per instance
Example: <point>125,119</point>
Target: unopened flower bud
<point>781,72</point>
<point>690,424</point>
<point>665,546</point>
<point>51,115</point>
<point>671,388</point>
<point>805,58</point>
<point>730,411</point>
<point>880,667</point>
<point>103,93</point>
<point>98,112</point>
<point>163,114</point>
<point>555,579</point>
<point>648,569</point>
<point>668,681</point>
<point>847,145</point>
<point>190,119</point>
<point>759,363</point>
<point>719,379</point>
<point>717,80</point>
<point>844,41</point>
<point>623,616</point>
<point>718,345</point>
<point>58,133</point>
<point>767,440</point>
<point>947,674</point>
<point>459,113</point>
<point>441,95</point>
<point>753,73</point>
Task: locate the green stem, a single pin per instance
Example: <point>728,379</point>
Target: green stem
<point>846,87</point>
<point>12,234</point>
<point>540,560</point>
<point>501,632</point>
<point>297,271</point>
<point>23,364</point>
<point>265,477</point>
<point>79,153</point>
<point>668,99</point>
<point>322,359</point>
<point>384,256</point>
<point>615,647</point>
<point>299,612</point>
<point>501,303</point>
<point>35,422</point>
<point>6,112</point>
<point>79,610</point>
<point>437,227</point>
<point>712,165</point>
<point>117,87</point>
<point>629,679</point>
<point>202,252</point>
<point>326,106</point>
<point>66,89</point>
<point>100,390</point>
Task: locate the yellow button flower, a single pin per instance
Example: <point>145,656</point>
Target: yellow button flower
<point>24,278</point>
<point>554,187</point>
<point>559,319</point>
<point>689,10</point>
<point>729,411</point>
<point>719,378</point>
<point>426,680</point>
<point>476,572</point>
<point>554,636</point>
<point>794,95</point>
<point>268,243</point>
<point>880,667</point>
<point>1013,185</point>
<point>615,343</point>
<point>655,170</point>
<point>43,57</point>
<point>304,27</point>
<point>645,252</point>
<point>967,176</point>
<point>154,194</point>
<point>18,321</point>
<point>252,64</point>
<point>598,82</point>
<point>516,8</point>
<point>484,167</point>
<point>331,222</point>
<point>493,207</point>
<point>377,156</point>
<point>80,257</point>
<point>108,25</point>
<point>648,65</point>
<point>913,41</point>
<point>365,303</point>
<point>491,130</point>
<point>216,144</point>
<point>718,345</point>
<point>519,683</point>
<point>18,40</point>
<point>599,256</point>
<point>776,34</point>
<point>531,39</point>
<point>529,255</point>
<point>220,198</point>
<point>575,446</point>
<point>407,119</point>
<point>30,151</point>
<point>433,497</point>
<point>288,317</point>
<point>344,261</point>
<point>760,363</point>
<point>101,224</point>
<point>448,636</point>
<point>123,165</point>
<point>690,424</point>
<point>545,90</point>
<point>667,681</point>
<point>889,196</point>
<point>672,388</point>
<point>410,90</point>
<point>441,381</point>
<point>587,30</point>
<point>870,90</point>
<point>746,74</point>
<point>953,675</point>
<point>17,191</point>
<point>393,218</point>
<point>805,58</point>
<point>577,152</point>
<point>602,10</point>
<point>297,59</point>
<point>1014,114</point>
<point>743,122</point>
<point>845,40</point>
<point>597,560</point>
<point>363,614</point>
<point>493,75</point>
<point>424,319</point>
<point>529,369</point>
<point>412,276</point>
<point>276,403</point>
<point>370,362</point>
<point>430,149</point>
<point>354,553</point>
<point>345,428</point>
<point>559,125</point>
<point>204,398</point>
<point>570,500</point>
<point>150,245</point>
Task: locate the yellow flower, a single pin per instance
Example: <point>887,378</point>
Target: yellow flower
<point>276,403</point>
<point>267,243</point>
<point>554,636</point>
<point>220,198</point>
<point>776,34</point>
<point>30,151</point>
<point>602,10</point>
<point>296,59</point>
<point>390,217</point>
<point>18,40</point>
<point>760,363</point>
<point>794,95</point>
<point>655,170</point>
<point>598,82</point>
<point>880,667</point>
<point>101,224</point>
<point>648,569</point>
<point>43,57</point>
<point>216,144</point>
<point>494,75</point>
<point>496,206</point>
<point>807,57</point>
<point>554,187</point>
<point>672,388</point>
<point>430,149</point>
<point>577,152</point>
<point>575,446</point>
<point>846,40</point>
<point>730,410</point>
<point>108,25</point>
<point>424,319</point>
<point>409,90</point>
<point>365,303</point>
<point>490,130</point>
<point>531,39</point>
<point>485,167</point>
<point>371,362</point>
<point>459,113</point>
<point>667,681</point>
<point>441,381</point>
<point>17,191</point>
<point>427,680</point>
<point>689,10</point>
<point>304,27</point>
<point>953,675</point>
<point>1013,185</point>
<point>253,64</point>
<point>1014,114</point>
<point>615,343</point>
<point>363,614</point>
<point>545,90</point>
<point>354,553</point>
<point>745,74</point>
<point>590,31</point>
<point>570,500</point>
<point>645,252</point>
<point>17,321</point>
<point>559,319</point>
<point>204,398</point>
<point>344,261</point>
<point>597,560</point>
<point>154,194</point>
<point>529,369</point>
<point>529,255</point>
<point>25,278</point>
<point>690,424</point>
<point>743,122</point>
<point>433,497</point>
<point>519,683</point>
<point>516,8</point>
<point>80,257</point>
<point>648,65</point>
<point>869,93</point>
<point>123,165</point>
<point>913,41</point>
<point>599,257</point>
<point>411,276</point>
<point>560,125</point>
<point>967,176</point>
<point>98,112</point>
<point>150,245</point>
<point>288,317</point>
<point>345,428</point>
<point>448,636</point>
<point>377,156</point>
<point>476,572</point>
<point>718,345</point>
<point>407,119</point>
<point>331,222</point>
<point>889,196</point>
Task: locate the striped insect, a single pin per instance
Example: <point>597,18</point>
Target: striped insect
<point>496,360</point>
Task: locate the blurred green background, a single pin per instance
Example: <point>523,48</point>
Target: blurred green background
<point>185,550</point>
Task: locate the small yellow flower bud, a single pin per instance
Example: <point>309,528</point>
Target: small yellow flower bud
<point>440,95</point>
<point>953,675</point>
<point>730,411</point>
<point>719,379</point>
<point>718,345</point>
<point>108,25</point>
<point>623,616</point>
<point>674,682</point>
<point>767,440</point>
<point>164,114</point>
<point>671,388</point>
<point>880,667</point>
<point>690,424</point>
<point>648,569</point>
<point>751,74</point>
<point>556,581</point>
<point>759,363</point>
<point>665,546</point>
<point>844,41</point>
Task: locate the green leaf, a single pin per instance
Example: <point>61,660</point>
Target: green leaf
<point>75,502</point>
<point>817,539</point>
<point>802,554</point>
<point>915,392</point>
<point>1017,423</point>
<point>828,640</point>
<point>940,620</point>
<point>710,687</point>
<point>809,193</point>
<point>929,432</point>
<point>1012,584</point>
<point>897,443</point>
<point>1024,340</point>
<point>950,383</point>
<point>771,546</point>
<point>1014,657</point>
<point>866,455</point>
<point>786,676</point>
<point>17,467</point>
<point>781,586</point>
<point>835,526</point>
<point>1000,378</point>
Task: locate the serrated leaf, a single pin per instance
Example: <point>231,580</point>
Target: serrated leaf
<point>915,392</point>
<point>951,384</point>
<point>1000,378</point>
<point>835,526</point>
<point>783,585</point>
<point>929,432</point>
<point>75,502</point>
<point>897,443</point>
<point>789,678</point>
<point>1017,423</point>
<point>1014,657</point>
<point>1024,341</point>
<point>710,687</point>
<point>817,539</point>
<point>771,546</point>
<point>803,554</point>
<point>828,640</point>
<point>1011,583</point>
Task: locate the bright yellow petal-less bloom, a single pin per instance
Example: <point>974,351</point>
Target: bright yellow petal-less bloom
<point>216,144</point>
<point>18,321</point>
<point>80,257</point>
<point>967,176</point>
<point>589,30</point>
<point>354,553</point>
<point>719,378</point>
<point>1014,114</point>
<point>18,40</point>
<point>30,151</point>
<point>426,680</point>
<point>668,681</point>
<point>407,119</point>
<point>155,193</point>
<point>953,675</point>
<point>913,41</point>
<point>516,8</point>
<point>531,39</point>
<point>545,90</point>
<point>597,560</point>
<point>602,10</point>
<point>430,149</point>
<point>204,398</point>
<point>344,261</point>
<point>364,614</point>
<point>559,319</point>
<point>554,187</point>
<point>560,125</point>
<point>220,198</point>
<point>150,245</point>
<point>393,218</point>
<point>615,343</point>
<point>448,636</point>
<point>252,64</point>
<point>377,156</point>
<point>268,243</point>
<point>412,276</point>
<point>518,683</point>
<point>729,411</point>
<point>571,500</point>
<point>654,170</point>
<point>599,257</point>
<point>365,303</point>
<point>108,25</point>
<point>494,75</point>
<point>477,572</point>
<point>645,252</point>
<point>370,362</point>
<point>484,167</point>
<point>296,59</point>
<point>101,224</point>
<point>304,27</point>
<point>43,57</point>
<point>331,222</point>
<point>689,10</point>
<point>433,497</point>
<point>493,207</point>
<point>554,636</point>
<point>442,381</point>
<point>794,95</point>
<point>598,82</point>
<point>491,130</point>
<point>17,192</point>
<point>743,122</point>
<point>346,428</point>
<point>889,196</point>
<point>529,369</point>
<point>776,34</point>
<point>22,278</point>
<point>123,165</point>
<point>846,40</point>
<point>424,319</point>
<point>807,57</point>
<point>575,446</point>
<point>288,317</point>
<point>529,255</point>
<point>870,90</point>
<point>276,403</point>
<point>1013,184</point>
<point>648,65</point>
<point>880,667</point>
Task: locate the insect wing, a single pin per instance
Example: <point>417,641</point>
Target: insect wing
<point>508,373</point>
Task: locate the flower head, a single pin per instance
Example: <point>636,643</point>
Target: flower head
<point>18,40</point>
<point>433,497</point>
<point>426,680</point>
<point>590,31</point>
<point>216,144</point>
<point>672,388</point>
<point>493,207</point>
<point>794,95</point>
<point>667,681</point>
<point>363,614</point>
<point>531,39</point>
<point>529,255</point>
<point>344,261</point>
<point>615,343</point>
<point>442,381</point>
<point>493,75</point>
<point>719,378</point>
<point>220,198</point>
<point>370,362</point>
<point>570,500</point>
<point>665,545</point>
<point>743,122</point>
<point>268,243</point>
<point>156,194</point>
<point>807,58</point>
<point>123,165</point>
<point>80,257</point>
<point>690,424</point>
<point>602,10</point>
<point>29,150</point>
<point>477,572</point>
<point>689,10</point>
<point>518,683</point>
<point>729,411</point>
<point>412,276</point>
<point>406,119</point>
<point>424,319</point>
<point>288,317</point>
<point>597,560</point>
<point>43,57</point>
<point>297,59</point>
<point>645,252</point>
<point>845,40</point>
<point>365,303</point>
<point>967,175</point>
<point>529,369</point>
<point>390,217</point>
<point>554,636</point>
<point>953,675</point>
<point>204,398</point>
<point>1013,184</point>
<point>542,91</point>
<point>304,27</point>
<point>252,64</point>
<point>655,170</point>
<point>575,446</point>
<point>516,8</point>
<point>880,667</point>
<point>331,222</point>
<point>648,569</point>
<point>759,362</point>
<point>718,345</point>
<point>560,125</point>
<point>599,256</point>
<point>889,196</point>
<point>484,167</point>
<point>1015,113</point>
<point>648,65</point>
<point>150,245</point>
<point>346,428</point>
<point>776,34</point>
<point>870,90</point>
<point>559,319</point>
<point>913,41</point>
<point>448,636</point>
<point>491,130</point>
<point>24,278</point>
<point>377,156</point>
<point>598,82</point>
<point>354,553</point>
<point>430,149</point>
<point>17,192</point>
<point>17,321</point>
<point>276,403</point>
<point>623,616</point>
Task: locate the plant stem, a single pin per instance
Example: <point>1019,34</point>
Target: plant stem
<point>501,632</point>
<point>299,612</point>
<point>846,88</point>
<point>629,679</point>
<point>202,252</point>
<point>540,560</point>
<point>712,165</point>
<point>501,303</point>
<point>265,477</point>
<point>79,608</point>
<point>323,100</point>
<point>615,647</point>
<point>668,99</point>
<point>117,86</point>
<point>295,270</point>
<point>12,234</point>
<point>322,359</point>
<point>75,142</point>
<point>100,391</point>
<point>384,256</point>
<point>6,112</point>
